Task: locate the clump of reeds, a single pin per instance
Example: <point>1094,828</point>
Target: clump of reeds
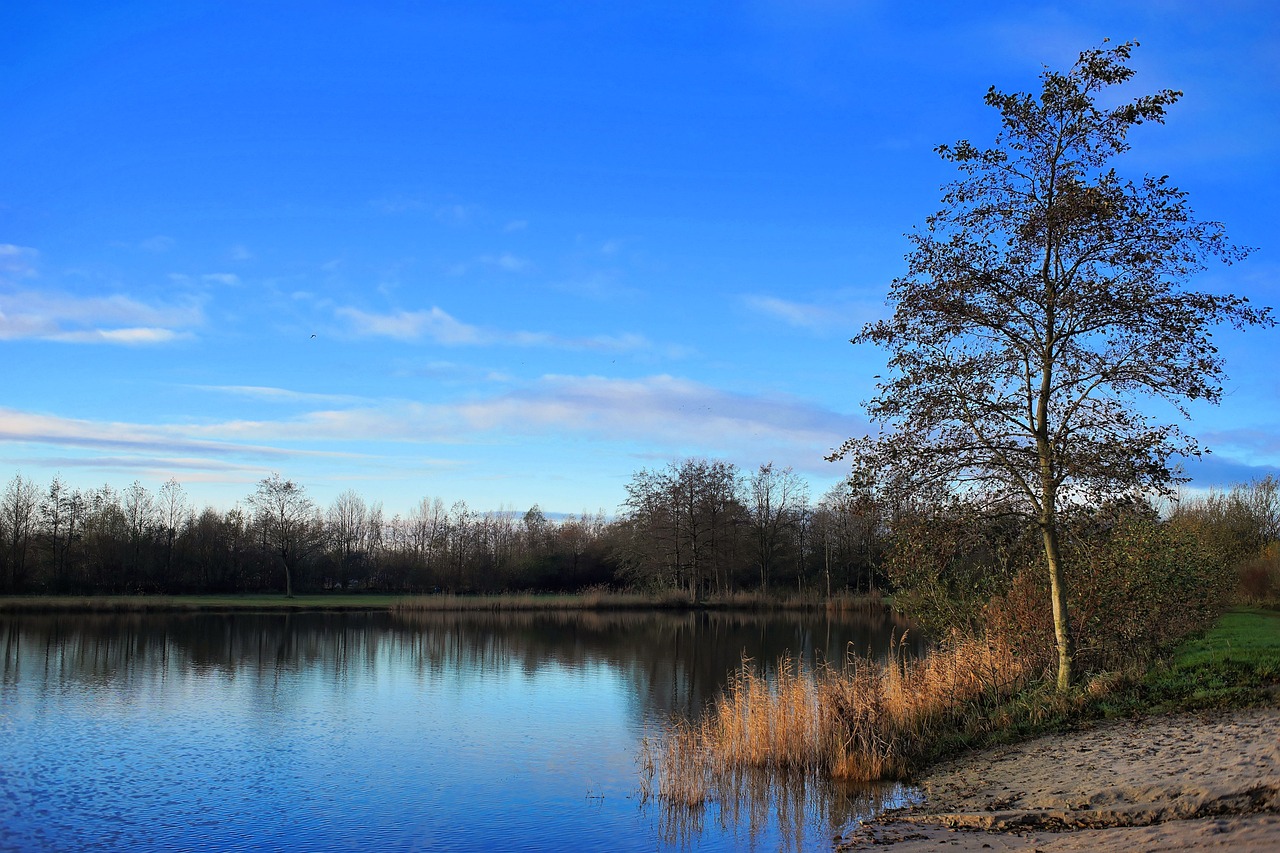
<point>864,720</point>
<point>674,769</point>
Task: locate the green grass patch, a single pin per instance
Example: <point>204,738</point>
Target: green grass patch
<point>1235,664</point>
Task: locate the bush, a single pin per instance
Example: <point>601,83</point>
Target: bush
<point>1259,578</point>
<point>1136,586</point>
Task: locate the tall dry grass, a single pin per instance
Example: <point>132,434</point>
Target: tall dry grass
<point>861,721</point>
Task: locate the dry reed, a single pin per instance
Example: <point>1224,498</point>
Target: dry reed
<point>863,721</point>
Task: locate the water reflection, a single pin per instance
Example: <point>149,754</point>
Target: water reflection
<point>332,731</point>
<point>750,806</point>
<point>675,662</point>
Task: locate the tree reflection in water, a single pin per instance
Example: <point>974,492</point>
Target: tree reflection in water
<point>662,664</point>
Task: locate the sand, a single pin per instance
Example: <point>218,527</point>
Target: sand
<point>1179,782</point>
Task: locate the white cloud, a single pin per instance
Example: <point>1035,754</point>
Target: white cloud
<point>17,261</point>
<point>792,313</point>
<point>662,414</point>
<point>128,337</point>
<point>278,395</point>
<point>240,252</point>
<point>435,324</point>
<point>439,326</point>
<point>813,316</point>
<point>515,225</point>
<point>35,428</point>
<point>228,278</point>
<point>665,415</point>
<point>102,320</point>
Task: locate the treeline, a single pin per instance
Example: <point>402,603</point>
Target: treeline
<point>701,526</point>
<point>698,525</point>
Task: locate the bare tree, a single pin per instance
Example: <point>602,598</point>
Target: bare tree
<point>172,510</point>
<point>288,519</point>
<point>681,522</point>
<point>778,498</point>
<point>348,531</point>
<point>18,505</point>
<point>1041,303</point>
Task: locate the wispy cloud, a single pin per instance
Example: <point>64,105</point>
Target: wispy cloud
<point>1249,445</point>
<point>158,243</point>
<point>35,428</point>
<point>17,261</point>
<point>435,325</point>
<point>663,409</point>
<point>507,262</point>
<point>663,413</point>
<point>448,371</point>
<point>279,395</point>
<point>599,286</point>
<point>817,317</point>
<point>92,320</point>
<point>456,214</point>
<point>228,278</point>
<point>659,414</point>
<point>440,327</point>
<point>150,464</point>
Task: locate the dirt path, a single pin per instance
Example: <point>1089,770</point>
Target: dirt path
<point>1184,782</point>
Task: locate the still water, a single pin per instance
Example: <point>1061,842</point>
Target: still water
<point>372,731</point>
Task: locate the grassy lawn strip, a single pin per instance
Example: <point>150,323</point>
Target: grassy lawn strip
<point>1235,664</point>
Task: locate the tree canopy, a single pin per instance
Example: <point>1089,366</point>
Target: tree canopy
<point>1042,302</point>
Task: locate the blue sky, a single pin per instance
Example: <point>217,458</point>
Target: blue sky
<point>510,253</point>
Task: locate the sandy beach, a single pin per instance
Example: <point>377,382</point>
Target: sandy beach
<point>1179,782</point>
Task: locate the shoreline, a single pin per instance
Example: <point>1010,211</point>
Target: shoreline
<point>425,603</point>
<point>1183,781</point>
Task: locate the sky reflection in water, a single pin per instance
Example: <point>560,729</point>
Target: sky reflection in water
<point>337,732</point>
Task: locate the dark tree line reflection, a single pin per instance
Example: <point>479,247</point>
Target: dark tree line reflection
<point>674,662</point>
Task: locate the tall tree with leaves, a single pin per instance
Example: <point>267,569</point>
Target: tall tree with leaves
<point>1041,302</point>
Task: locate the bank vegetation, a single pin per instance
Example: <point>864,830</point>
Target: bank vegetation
<point>1144,585</point>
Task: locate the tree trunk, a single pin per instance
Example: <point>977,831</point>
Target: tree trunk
<point>1058,598</point>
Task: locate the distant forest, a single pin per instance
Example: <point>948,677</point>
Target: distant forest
<point>698,525</point>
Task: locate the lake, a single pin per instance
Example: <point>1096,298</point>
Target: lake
<point>342,731</point>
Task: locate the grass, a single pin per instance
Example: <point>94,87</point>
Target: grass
<point>1236,664</point>
<point>889,719</point>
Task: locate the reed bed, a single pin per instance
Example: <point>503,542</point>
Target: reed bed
<point>861,721</point>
